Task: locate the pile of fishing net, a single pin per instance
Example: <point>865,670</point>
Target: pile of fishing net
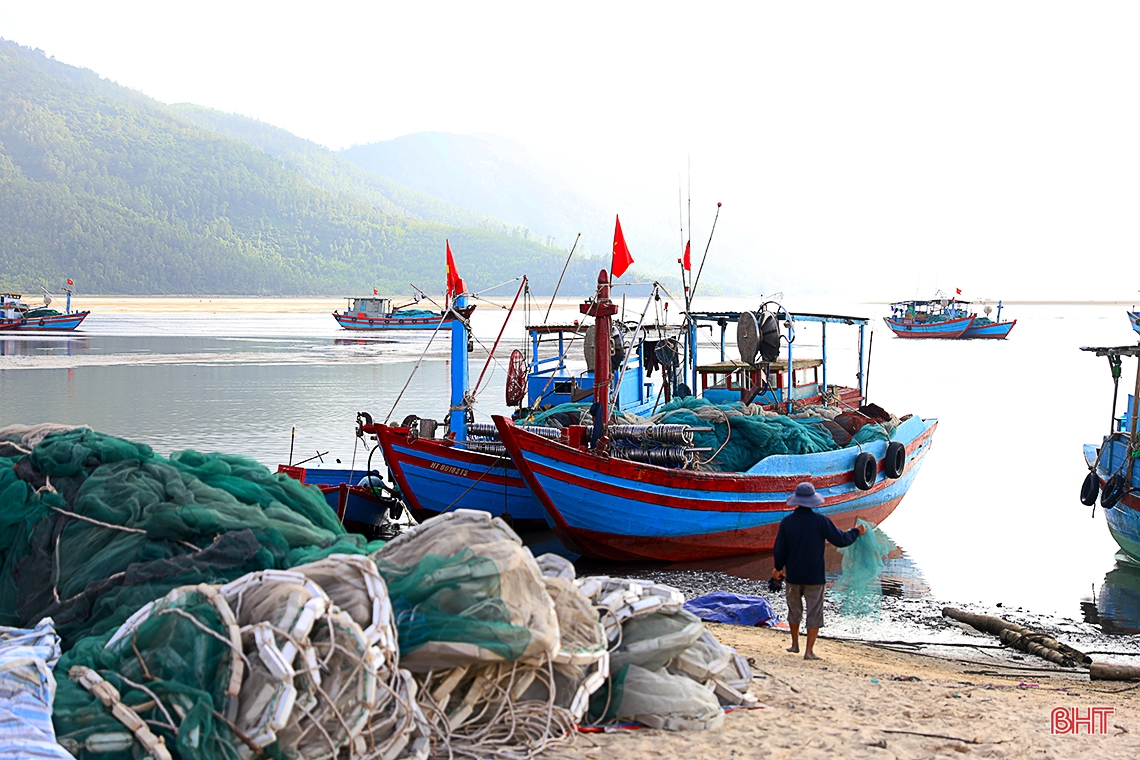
<point>415,313</point>
<point>667,670</point>
<point>211,609</point>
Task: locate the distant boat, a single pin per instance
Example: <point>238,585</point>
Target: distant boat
<point>1113,474</point>
<point>945,317</point>
<point>1134,318</point>
<point>372,313</point>
<point>16,315</point>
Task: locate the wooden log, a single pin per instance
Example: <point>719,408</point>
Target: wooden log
<point>1103,671</point>
<point>1021,638</point>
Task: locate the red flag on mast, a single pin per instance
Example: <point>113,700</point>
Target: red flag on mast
<point>622,258</point>
<point>69,282</point>
<point>686,263</point>
<point>455,283</point>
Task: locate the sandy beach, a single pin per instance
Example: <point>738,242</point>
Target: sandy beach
<point>862,701</point>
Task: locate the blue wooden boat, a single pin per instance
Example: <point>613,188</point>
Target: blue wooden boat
<point>359,498</point>
<point>15,315</point>
<point>1134,320</point>
<point>469,467</point>
<point>1113,474</point>
<point>610,507</point>
<point>378,314</point>
<point>945,317</point>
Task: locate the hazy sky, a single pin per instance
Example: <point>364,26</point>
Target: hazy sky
<point>868,148</point>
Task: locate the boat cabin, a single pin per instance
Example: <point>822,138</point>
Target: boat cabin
<point>11,307</point>
<point>552,381</point>
<point>765,383</point>
<point>925,312</point>
<point>370,307</point>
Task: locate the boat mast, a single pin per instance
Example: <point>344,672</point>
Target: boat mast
<point>601,309</point>
<point>457,418</point>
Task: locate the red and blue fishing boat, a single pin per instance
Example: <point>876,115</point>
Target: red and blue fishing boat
<point>604,504</point>
<point>1113,475</point>
<point>371,313</point>
<point>15,315</point>
<point>945,317</point>
<point>1134,320</point>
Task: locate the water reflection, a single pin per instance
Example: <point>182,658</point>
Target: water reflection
<point>1116,606</point>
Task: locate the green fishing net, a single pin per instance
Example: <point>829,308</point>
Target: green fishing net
<point>858,590</point>
<point>743,435</point>
<point>93,526</point>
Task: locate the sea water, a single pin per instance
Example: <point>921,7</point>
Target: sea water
<point>993,517</point>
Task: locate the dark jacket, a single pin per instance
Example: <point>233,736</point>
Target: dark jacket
<point>799,544</point>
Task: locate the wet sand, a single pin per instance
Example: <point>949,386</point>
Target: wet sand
<point>859,702</point>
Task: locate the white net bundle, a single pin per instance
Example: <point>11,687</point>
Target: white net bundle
<point>667,670</point>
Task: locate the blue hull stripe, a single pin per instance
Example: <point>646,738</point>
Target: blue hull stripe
<point>439,490</point>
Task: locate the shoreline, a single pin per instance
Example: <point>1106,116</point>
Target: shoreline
<point>867,701</point>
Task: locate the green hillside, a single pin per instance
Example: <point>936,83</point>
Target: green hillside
<point>125,195</point>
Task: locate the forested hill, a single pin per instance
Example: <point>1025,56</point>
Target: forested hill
<point>125,195</point>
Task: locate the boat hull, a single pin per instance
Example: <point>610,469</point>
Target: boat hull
<point>951,328</point>
<point>1134,319</point>
<point>619,510</point>
<point>350,322</point>
<point>437,476</point>
<point>44,324</point>
<point>994,330</point>
<point>1123,519</point>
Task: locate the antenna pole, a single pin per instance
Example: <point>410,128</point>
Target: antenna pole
<point>706,253</point>
<point>564,267</point>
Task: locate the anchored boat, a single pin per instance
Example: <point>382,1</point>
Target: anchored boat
<point>1113,474</point>
<point>1134,320</point>
<point>602,501</point>
<point>16,315</point>
<point>946,317</point>
<point>372,313</point>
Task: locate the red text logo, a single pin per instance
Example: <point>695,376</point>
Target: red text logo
<point>1069,720</point>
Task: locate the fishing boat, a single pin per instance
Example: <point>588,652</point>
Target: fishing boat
<point>946,317</point>
<point>601,501</point>
<point>1113,476</point>
<point>15,315</point>
<point>1134,320</point>
<point>467,466</point>
<point>371,313</point>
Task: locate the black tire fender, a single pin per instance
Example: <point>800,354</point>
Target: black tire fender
<point>1090,489</point>
<point>1114,489</point>
<point>866,470</point>
<point>894,463</point>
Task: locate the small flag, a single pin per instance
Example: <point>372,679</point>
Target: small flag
<point>69,282</point>
<point>958,291</point>
<point>688,265</point>
<point>455,283</point>
<point>621,258</point>
<point>375,292</point>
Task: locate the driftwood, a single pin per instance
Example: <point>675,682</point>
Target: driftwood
<point>1102,671</point>
<point>1021,638</point>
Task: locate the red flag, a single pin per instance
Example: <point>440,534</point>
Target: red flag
<point>688,265</point>
<point>375,292</point>
<point>622,258</point>
<point>69,282</point>
<point>455,283</point>
<point>958,290</point>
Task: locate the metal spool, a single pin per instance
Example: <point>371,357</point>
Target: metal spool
<point>748,337</point>
<point>769,336</point>
<point>588,346</point>
<point>516,379</point>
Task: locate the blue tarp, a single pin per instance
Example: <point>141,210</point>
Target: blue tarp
<point>735,609</point>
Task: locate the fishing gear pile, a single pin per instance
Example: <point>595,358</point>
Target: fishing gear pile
<point>208,608</point>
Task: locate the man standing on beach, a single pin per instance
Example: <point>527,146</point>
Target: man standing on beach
<point>799,548</point>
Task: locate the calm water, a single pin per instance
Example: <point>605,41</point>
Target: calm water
<point>993,516</point>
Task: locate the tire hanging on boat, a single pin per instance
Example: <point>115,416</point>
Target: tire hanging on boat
<point>1090,489</point>
<point>1114,490</point>
<point>866,468</point>
<point>895,460</point>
